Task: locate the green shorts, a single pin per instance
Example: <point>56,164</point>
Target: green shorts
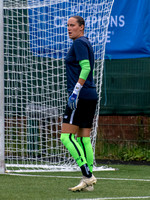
<point>83,115</point>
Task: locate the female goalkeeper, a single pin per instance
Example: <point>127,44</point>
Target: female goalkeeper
<point>80,109</point>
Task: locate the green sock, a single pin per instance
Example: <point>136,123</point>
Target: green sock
<point>74,148</point>
<point>85,143</point>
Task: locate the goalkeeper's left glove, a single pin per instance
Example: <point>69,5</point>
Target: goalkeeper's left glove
<point>73,99</point>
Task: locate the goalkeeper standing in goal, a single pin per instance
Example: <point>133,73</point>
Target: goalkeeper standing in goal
<point>81,106</point>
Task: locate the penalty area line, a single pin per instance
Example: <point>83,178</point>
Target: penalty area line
<point>76,177</point>
<point>117,198</point>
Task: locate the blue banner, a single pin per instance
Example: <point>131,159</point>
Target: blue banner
<point>128,33</point>
<point>129,30</point>
<point>48,25</point>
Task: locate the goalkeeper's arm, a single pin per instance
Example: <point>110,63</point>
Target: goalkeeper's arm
<point>85,70</point>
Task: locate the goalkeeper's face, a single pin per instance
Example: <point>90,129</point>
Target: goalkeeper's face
<point>74,29</point>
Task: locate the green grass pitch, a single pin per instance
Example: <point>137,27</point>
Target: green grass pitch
<point>128,182</point>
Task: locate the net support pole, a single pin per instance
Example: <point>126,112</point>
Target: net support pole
<point>2,158</point>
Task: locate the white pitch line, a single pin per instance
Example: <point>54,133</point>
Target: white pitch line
<point>125,179</point>
<point>117,198</point>
<point>49,176</point>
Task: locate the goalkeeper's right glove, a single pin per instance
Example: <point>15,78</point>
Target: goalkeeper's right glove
<point>73,99</point>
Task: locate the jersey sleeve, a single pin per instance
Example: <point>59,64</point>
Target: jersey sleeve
<point>81,50</point>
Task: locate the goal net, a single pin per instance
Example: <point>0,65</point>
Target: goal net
<point>35,45</point>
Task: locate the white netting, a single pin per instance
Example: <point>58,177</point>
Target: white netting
<point>35,44</point>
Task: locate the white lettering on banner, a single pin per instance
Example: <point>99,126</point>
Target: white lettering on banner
<point>95,36</point>
<point>95,8</point>
<point>117,21</point>
<point>121,21</point>
<point>108,37</point>
<point>96,21</point>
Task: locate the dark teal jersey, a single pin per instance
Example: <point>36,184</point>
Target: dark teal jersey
<point>81,49</point>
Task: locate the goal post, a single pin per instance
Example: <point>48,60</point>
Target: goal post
<point>35,45</point>
<point>2,162</point>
